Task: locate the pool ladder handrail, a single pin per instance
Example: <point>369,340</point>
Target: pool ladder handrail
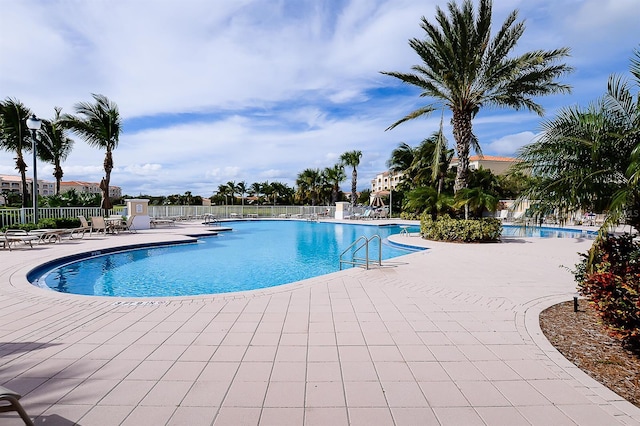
<point>359,261</point>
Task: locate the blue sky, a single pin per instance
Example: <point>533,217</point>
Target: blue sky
<point>259,90</point>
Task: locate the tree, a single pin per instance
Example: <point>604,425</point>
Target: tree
<point>55,145</point>
<point>100,125</point>
<point>309,182</point>
<point>231,190</point>
<point>352,159</point>
<point>241,188</point>
<point>223,191</point>
<point>620,99</point>
<point>465,69</point>
<point>582,158</point>
<point>14,137</point>
<point>335,176</point>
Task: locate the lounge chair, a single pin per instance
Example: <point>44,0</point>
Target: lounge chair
<point>13,236</point>
<point>125,225</point>
<point>84,226</point>
<point>98,224</point>
<point>12,398</point>
<point>49,235</point>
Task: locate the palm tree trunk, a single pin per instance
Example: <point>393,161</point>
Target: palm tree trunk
<point>22,166</point>
<point>354,186</point>
<point>462,133</point>
<point>58,173</point>
<point>104,185</point>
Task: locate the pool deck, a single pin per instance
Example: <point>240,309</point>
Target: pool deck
<point>446,336</point>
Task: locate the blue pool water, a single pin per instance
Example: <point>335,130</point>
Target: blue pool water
<point>545,232</point>
<point>256,254</point>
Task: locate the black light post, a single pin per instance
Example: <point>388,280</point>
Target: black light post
<point>33,123</point>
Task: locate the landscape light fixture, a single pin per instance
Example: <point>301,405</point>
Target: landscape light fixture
<point>34,123</point>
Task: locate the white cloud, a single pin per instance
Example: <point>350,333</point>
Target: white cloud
<point>274,87</point>
<point>508,145</point>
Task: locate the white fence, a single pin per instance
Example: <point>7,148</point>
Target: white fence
<point>11,217</point>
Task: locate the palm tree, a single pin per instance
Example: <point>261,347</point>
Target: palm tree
<point>55,145</point>
<point>352,159</point>
<point>14,137</point>
<point>579,161</point>
<point>401,159</point>
<point>100,125</point>
<point>241,188</point>
<point>256,189</point>
<point>335,176</point>
<point>309,182</point>
<point>223,191</point>
<point>465,69</point>
<point>620,100</point>
<point>232,190</point>
<point>475,200</point>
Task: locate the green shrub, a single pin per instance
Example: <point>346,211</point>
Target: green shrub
<point>47,223</point>
<point>611,283</point>
<point>460,230</point>
<point>409,216</point>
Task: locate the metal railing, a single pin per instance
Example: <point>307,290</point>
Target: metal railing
<point>356,247</point>
<point>15,216</point>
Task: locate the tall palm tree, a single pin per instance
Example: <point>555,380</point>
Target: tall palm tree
<point>352,159</point>
<point>14,137</point>
<point>55,145</point>
<point>335,176</point>
<point>100,125</point>
<point>465,69</point>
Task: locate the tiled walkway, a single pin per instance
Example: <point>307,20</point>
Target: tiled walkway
<point>448,336</point>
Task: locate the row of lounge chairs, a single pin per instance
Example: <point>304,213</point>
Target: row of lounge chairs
<point>371,214</point>
<point>98,224</point>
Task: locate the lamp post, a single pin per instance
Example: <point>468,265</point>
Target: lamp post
<point>33,123</point>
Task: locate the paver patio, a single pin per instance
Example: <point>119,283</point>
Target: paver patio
<point>447,336</point>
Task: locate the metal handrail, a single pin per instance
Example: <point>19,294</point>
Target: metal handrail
<point>359,261</point>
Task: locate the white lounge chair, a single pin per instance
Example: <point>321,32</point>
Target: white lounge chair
<point>13,236</point>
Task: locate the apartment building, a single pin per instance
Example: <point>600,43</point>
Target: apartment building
<point>385,181</point>
<point>11,183</point>
<point>82,187</point>
<point>497,165</point>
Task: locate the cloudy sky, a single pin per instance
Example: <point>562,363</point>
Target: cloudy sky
<point>212,91</point>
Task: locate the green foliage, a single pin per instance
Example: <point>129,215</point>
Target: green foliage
<point>47,223</point>
<point>460,230</point>
<point>611,282</point>
<point>409,216</point>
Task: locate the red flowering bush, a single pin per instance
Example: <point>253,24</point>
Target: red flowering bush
<point>611,282</point>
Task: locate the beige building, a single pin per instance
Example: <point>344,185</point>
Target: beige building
<point>385,181</point>
<point>89,188</point>
<point>11,183</point>
<point>497,165</point>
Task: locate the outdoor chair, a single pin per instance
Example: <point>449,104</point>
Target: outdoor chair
<point>98,224</point>
<point>10,397</point>
<point>125,225</point>
<point>84,227</point>
<point>13,236</point>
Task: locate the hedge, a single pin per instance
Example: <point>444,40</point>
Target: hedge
<point>460,230</point>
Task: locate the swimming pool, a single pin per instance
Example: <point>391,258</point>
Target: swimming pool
<point>545,232</point>
<point>256,254</point>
